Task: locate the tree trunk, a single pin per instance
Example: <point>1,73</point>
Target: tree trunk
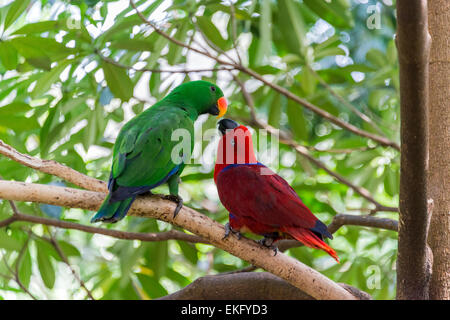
<point>439,146</point>
<point>413,42</point>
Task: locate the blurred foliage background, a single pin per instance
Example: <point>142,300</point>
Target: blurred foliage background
<point>64,96</point>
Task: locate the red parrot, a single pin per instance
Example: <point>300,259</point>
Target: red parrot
<point>259,200</point>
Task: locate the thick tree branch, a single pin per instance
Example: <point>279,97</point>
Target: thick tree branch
<point>246,286</point>
<point>439,147</point>
<point>91,200</point>
<point>53,168</point>
<point>293,271</point>
<point>413,43</point>
<point>239,286</point>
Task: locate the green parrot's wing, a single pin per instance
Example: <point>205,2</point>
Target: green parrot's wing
<point>143,150</point>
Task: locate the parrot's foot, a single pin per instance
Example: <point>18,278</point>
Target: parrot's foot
<point>228,229</point>
<point>178,200</point>
<point>269,243</point>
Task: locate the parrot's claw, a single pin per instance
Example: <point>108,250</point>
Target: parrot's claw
<point>178,200</point>
<point>269,243</point>
<point>228,229</point>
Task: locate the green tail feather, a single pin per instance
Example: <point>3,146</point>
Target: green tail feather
<point>113,212</point>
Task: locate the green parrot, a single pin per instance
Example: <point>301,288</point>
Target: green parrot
<point>142,154</point>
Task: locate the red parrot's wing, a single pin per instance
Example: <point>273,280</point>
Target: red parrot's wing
<point>265,198</point>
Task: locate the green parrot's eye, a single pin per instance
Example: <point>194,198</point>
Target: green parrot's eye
<point>213,89</point>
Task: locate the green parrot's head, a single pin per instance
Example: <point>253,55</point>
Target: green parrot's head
<point>203,96</point>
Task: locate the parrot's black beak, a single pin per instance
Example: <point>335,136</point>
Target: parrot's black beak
<point>214,110</point>
<point>227,124</point>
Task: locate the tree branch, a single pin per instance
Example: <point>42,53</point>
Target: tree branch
<point>148,237</point>
<point>345,102</point>
<point>340,220</point>
<point>381,140</point>
<point>246,286</point>
<point>293,271</point>
<point>413,43</point>
<point>363,221</point>
<point>64,258</point>
<point>54,168</point>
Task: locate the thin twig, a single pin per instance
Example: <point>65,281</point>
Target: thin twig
<point>284,138</point>
<point>64,258</point>
<point>340,123</point>
<point>185,71</point>
<point>345,102</point>
<point>162,236</point>
<point>17,279</point>
<point>175,41</point>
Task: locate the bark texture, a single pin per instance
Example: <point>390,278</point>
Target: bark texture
<point>247,286</point>
<point>413,43</point>
<point>439,146</point>
<point>299,275</point>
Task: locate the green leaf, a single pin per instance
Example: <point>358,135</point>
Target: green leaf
<point>160,259</point>
<point>69,249</point>
<point>13,108</point>
<point>292,26</point>
<point>211,32</point>
<point>361,158</point>
<point>189,252</point>
<point>40,63</point>
<point>174,54</point>
<point>48,78</point>
<point>376,57</point>
<point>265,33</point>
<point>391,181</point>
<point>328,48</point>
<point>154,84</point>
<point>123,24</point>
<point>275,111</point>
<point>133,45</point>
<point>9,243</point>
<point>45,265</point>
<point>15,11</point>
<point>151,286</point>
<point>42,26</point>
<point>31,46</point>
<point>18,123</point>
<point>296,120</point>
<point>391,53</point>
<point>8,55</point>
<point>336,12</point>
<point>25,268</point>
<point>90,131</point>
<point>308,81</point>
<point>177,277</point>
<point>118,81</point>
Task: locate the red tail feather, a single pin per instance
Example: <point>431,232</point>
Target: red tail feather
<point>309,239</point>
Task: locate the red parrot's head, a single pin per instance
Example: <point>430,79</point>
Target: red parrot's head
<point>236,145</point>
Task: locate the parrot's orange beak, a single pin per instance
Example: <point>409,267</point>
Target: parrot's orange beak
<point>222,105</point>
